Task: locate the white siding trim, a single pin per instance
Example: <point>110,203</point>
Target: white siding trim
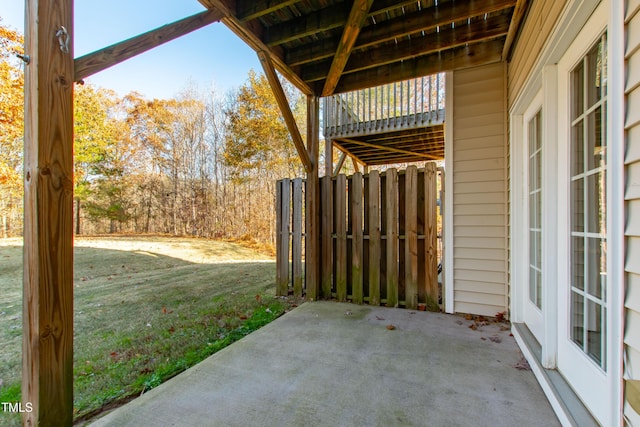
<point>448,284</point>
<point>615,193</point>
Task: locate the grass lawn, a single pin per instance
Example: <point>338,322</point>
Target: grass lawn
<point>146,308</point>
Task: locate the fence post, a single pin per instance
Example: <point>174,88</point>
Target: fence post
<point>411,238</point>
<point>283,198</point>
<point>431,235</point>
<point>374,237</point>
<point>356,238</point>
<point>326,232</point>
<point>341,237</point>
<point>391,191</point>
<point>296,241</point>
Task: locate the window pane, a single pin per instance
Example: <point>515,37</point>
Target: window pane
<point>538,289</point>
<point>577,205</point>
<point>597,202</point>
<point>596,266</point>
<point>594,331</point>
<point>577,89</point>
<point>595,139</point>
<point>577,148</point>
<point>577,262</point>
<point>532,284</point>
<point>577,318</point>
<point>594,72</point>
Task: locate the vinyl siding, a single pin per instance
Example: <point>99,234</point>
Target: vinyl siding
<point>541,18</point>
<point>632,204</point>
<point>480,191</point>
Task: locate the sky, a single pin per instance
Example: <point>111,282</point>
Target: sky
<point>211,57</point>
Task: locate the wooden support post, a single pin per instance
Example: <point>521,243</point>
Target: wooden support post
<point>326,279</point>
<point>47,321</point>
<point>296,241</point>
<point>282,280</point>
<point>431,235</point>
<point>357,238</point>
<point>312,195</point>
<point>391,191</point>
<point>374,237</point>
<point>340,220</point>
<point>411,237</point>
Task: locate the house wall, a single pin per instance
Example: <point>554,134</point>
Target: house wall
<point>632,202</point>
<point>540,20</point>
<point>479,190</point>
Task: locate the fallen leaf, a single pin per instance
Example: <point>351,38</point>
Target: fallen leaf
<point>164,310</point>
<point>390,327</point>
<point>483,338</point>
<point>171,330</point>
<point>459,322</point>
<point>258,297</point>
<point>243,317</point>
<point>473,326</point>
<point>522,365</point>
<point>379,317</point>
<point>468,317</point>
<point>495,338</point>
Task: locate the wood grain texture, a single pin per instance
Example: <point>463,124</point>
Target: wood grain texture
<point>411,237</point>
<point>391,191</point>
<point>357,16</point>
<point>312,202</point>
<point>373,219</point>
<point>431,233</point>
<point>355,192</point>
<point>326,227</point>
<point>109,56</point>
<point>296,239</point>
<point>340,221</point>
<point>47,378</point>
<point>282,285</point>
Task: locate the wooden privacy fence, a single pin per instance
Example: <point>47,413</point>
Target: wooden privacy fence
<point>378,237</point>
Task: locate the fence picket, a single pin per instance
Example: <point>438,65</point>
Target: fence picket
<point>296,241</point>
<point>282,280</point>
<point>341,237</point>
<point>356,242</point>
<point>411,238</point>
<point>374,237</point>
<point>326,232</point>
<point>431,235</point>
<point>391,191</point>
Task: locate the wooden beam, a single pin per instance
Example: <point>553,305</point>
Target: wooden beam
<point>109,56</point>
<point>328,18</point>
<point>325,19</point>
<point>283,103</point>
<point>343,157</point>
<point>47,321</point>
<point>516,20</point>
<point>312,196</point>
<point>447,38</point>
<point>352,27</point>
<point>386,148</point>
<point>248,10</point>
<point>454,59</point>
<point>425,20</point>
<point>356,165</point>
<point>251,33</point>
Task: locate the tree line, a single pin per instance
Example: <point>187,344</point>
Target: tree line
<point>200,164</point>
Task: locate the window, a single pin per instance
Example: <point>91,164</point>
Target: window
<point>535,209</point>
<point>588,205</point>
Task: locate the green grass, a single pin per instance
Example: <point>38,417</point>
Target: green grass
<point>145,309</point>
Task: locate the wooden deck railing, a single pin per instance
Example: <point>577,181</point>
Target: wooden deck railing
<point>379,240</point>
<point>403,105</point>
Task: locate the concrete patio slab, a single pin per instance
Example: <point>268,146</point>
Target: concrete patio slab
<point>337,364</point>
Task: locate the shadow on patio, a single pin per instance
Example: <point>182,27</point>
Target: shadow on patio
<point>336,364</point>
